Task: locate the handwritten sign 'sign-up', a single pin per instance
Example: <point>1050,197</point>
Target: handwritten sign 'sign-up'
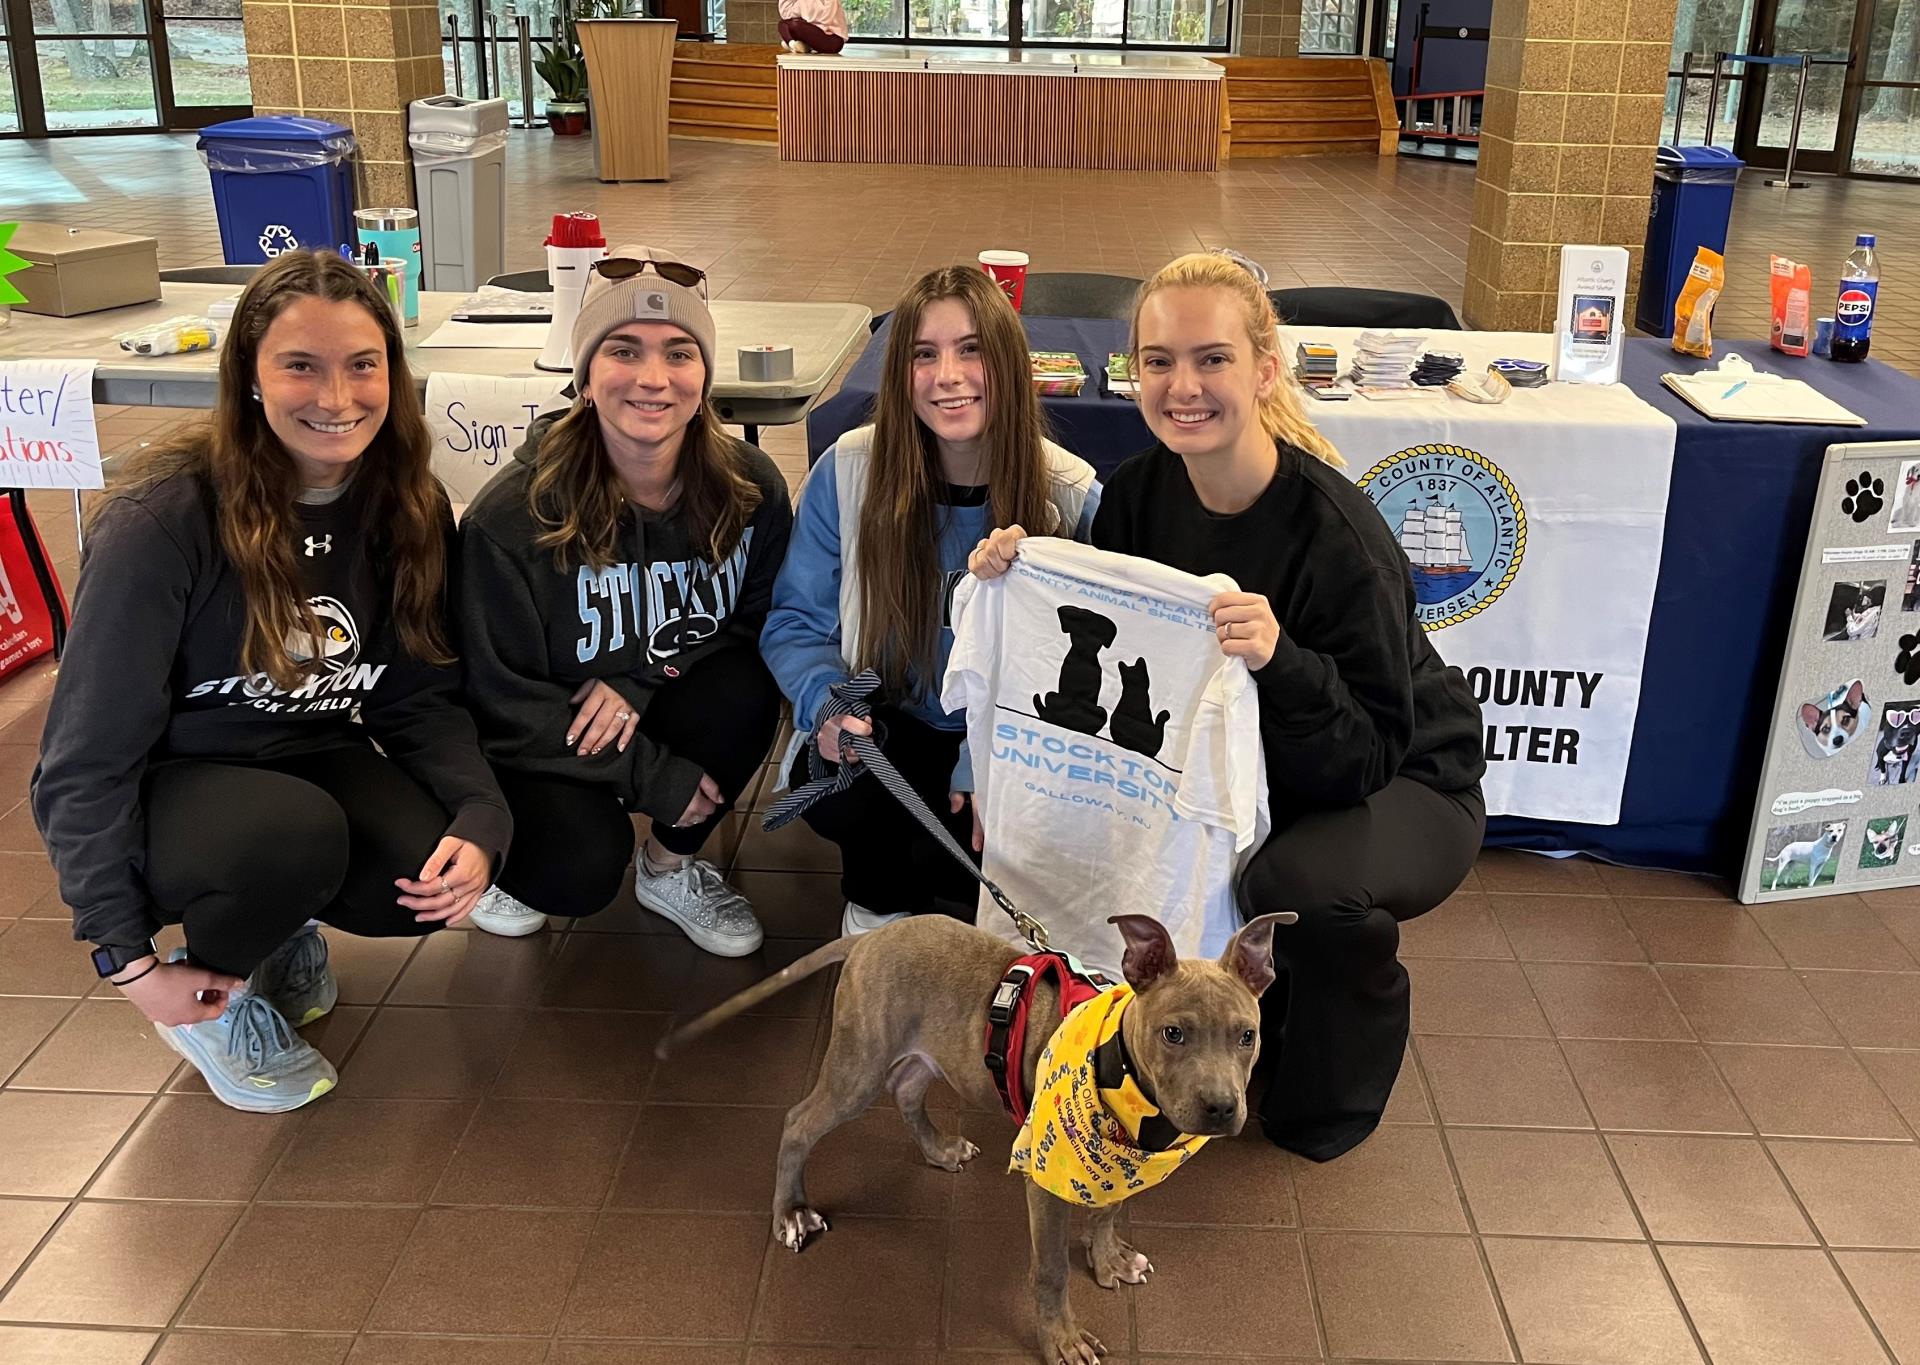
<point>47,434</point>
<point>477,421</point>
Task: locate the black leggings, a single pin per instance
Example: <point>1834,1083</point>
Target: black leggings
<point>241,855</point>
<point>572,841</point>
<point>889,863</point>
<point>1334,1024</point>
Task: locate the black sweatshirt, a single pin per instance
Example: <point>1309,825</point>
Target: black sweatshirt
<point>152,674</point>
<point>531,634</point>
<point>1355,694</point>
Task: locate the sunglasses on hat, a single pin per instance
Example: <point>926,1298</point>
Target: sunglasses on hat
<point>673,272</point>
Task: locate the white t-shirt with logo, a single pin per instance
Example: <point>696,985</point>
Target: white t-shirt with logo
<point>1116,748</point>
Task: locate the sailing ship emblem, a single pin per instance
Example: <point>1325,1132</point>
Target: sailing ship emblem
<point>1460,521</point>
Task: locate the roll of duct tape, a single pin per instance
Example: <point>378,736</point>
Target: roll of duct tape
<point>760,364</point>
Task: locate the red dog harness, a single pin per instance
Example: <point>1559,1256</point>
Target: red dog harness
<point>1007,1017</point>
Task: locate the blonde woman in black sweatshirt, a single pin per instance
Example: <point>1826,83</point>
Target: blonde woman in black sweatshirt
<point>1372,743</point>
<point>247,590</point>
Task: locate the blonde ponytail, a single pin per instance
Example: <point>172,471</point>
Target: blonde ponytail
<point>1281,415</point>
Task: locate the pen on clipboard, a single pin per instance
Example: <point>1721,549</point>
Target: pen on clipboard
<point>1735,389</point>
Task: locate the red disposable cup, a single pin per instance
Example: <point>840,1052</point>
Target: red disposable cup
<point>1008,269</point>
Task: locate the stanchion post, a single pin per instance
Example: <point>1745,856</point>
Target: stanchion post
<point>1713,96</point>
<point>1680,104</point>
<point>1786,180</point>
<point>453,36</point>
<point>493,54</point>
<point>523,32</point>
<point>79,524</point>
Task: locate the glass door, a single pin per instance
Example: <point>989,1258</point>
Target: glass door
<point>205,56</point>
<point>1702,28</point>
<point>94,63</point>
<point>1824,30</point>
<point>1886,130</point>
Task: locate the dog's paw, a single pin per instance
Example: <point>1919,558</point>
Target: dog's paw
<point>953,1154</point>
<point>1066,1344</point>
<point>1863,497</point>
<point>1122,1265</point>
<point>795,1226</point>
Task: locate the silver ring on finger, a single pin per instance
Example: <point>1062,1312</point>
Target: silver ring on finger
<point>623,715</point>
<point>445,889</point>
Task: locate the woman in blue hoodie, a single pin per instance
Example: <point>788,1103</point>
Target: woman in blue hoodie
<point>881,535</point>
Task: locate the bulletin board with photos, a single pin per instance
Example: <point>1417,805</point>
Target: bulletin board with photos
<point>1839,803</point>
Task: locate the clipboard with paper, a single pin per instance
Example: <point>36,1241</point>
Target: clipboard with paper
<point>1733,391</point>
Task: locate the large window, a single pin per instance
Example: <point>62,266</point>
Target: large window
<point>1886,137</point>
<point>1120,23</point>
<point>1330,27</point>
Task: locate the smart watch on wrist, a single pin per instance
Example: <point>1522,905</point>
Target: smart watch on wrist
<point>110,959</point>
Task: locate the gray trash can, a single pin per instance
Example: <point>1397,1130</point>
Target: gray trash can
<point>460,174</point>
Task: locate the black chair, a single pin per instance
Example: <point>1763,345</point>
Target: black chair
<point>1332,306</point>
<point>526,281</point>
<point>1069,295</point>
<point>210,274</point>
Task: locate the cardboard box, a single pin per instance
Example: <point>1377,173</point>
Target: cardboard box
<point>84,270</point>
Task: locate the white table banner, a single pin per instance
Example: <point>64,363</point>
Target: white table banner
<point>478,419</point>
<point>47,434</point>
<point>1535,528</point>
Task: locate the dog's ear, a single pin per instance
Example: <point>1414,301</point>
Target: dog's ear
<point>1150,955</point>
<point>1810,715</point>
<point>1250,955</point>
<point>1856,694</point>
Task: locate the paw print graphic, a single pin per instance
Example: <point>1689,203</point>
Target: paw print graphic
<point>1863,496</point>
<point>1907,662</point>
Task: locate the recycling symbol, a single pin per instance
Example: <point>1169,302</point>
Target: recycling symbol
<point>277,237</point>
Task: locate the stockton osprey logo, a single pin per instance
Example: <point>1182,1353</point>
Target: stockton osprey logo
<point>339,644</point>
<point>1461,522</point>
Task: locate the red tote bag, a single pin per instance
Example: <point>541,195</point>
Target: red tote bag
<point>33,612</point>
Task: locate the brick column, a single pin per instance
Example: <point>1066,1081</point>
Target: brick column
<point>753,21</point>
<point>1575,92</point>
<point>1269,28</point>
<point>358,64</point>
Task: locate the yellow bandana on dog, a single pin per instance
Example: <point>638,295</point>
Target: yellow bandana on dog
<point>1091,1137</point>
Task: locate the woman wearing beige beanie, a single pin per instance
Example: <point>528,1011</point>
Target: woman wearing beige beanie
<point>615,579</point>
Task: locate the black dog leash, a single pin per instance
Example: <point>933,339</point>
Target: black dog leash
<point>862,753</point>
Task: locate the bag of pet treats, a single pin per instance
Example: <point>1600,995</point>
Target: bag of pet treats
<point>1693,310</point>
<point>1792,303</point>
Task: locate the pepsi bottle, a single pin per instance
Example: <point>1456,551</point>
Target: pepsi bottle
<point>1859,291</point>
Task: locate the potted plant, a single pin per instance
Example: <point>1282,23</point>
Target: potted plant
<point>564,68</point>
<point>565,71</point>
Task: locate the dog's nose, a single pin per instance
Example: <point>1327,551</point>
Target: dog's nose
<point>1218,1109</point>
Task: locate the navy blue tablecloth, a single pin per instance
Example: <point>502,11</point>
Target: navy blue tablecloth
<point>1737,517</point>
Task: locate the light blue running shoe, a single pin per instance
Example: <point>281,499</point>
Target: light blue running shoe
<point>250,1058</point>
<point>295,979</point>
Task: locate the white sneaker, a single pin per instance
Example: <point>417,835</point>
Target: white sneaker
<point>794,45</point>
<point>498,913</point>
<point>697,898</point>
<point>856,920</point>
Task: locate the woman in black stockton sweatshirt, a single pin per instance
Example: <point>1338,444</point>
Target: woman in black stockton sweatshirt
<point>250,588</point>
<point>1372,743</point>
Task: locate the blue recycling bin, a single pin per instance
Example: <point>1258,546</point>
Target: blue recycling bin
<point>1692,203</point>
<point>279,183</point>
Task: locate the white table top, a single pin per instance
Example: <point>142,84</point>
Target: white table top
<point>1031,61</point>
<point>822,336</point>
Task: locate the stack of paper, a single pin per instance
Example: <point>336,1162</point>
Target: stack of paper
<point>1385,360</point>
<point>1120,375</point>
<point>1438,368</point>
<point>1317,364</point>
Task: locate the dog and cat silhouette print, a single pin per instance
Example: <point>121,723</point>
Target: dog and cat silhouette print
<point>1074,704</point>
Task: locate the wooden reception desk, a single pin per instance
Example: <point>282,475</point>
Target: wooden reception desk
<point>1140,111</point>
<point>629,71</point>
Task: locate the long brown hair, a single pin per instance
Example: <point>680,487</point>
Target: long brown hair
<point>398,501</point>
<point>1281,415</point>
<point>899,551</point>
<point>576,497</point>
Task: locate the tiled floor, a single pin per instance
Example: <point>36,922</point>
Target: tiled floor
<point>1639,1124</point>
<point>768,230</point>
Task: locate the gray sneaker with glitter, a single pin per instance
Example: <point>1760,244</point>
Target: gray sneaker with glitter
<point>697,898</point>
